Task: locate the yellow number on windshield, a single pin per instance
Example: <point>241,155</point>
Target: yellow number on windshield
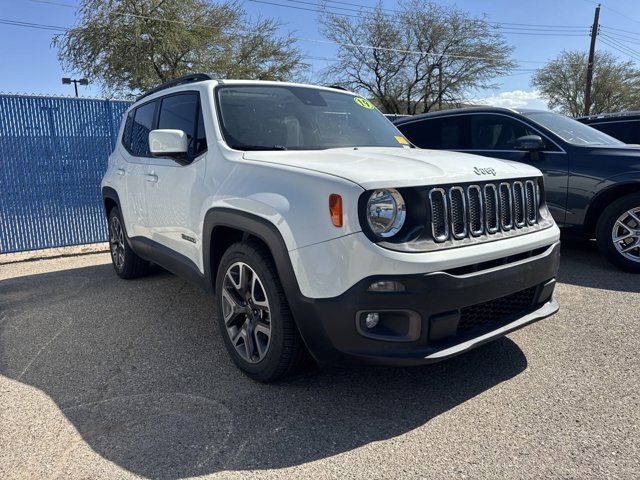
<point>363,102</point>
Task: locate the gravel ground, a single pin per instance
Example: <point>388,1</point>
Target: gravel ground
<point>104,378</point>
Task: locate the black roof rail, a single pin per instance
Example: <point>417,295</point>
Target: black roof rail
<point>337,87</point>
<point>191,78</point>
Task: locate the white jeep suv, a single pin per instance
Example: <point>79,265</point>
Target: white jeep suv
<point>321,230</point>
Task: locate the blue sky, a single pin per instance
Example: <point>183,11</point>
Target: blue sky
<point>29,63</point>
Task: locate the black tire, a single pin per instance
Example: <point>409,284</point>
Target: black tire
<point>124,260</point>
<point>285,353</point>
<point>604,232</point>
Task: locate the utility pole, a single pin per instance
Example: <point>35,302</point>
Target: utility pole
<point>439,67</point>
<point>592,51</point>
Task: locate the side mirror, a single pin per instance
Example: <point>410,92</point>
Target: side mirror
<point>529,143</point>
<point>169,143</point>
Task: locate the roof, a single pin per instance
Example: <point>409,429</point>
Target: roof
<point>205,77</point>
<point>612,115</point>
<point>457,111</point>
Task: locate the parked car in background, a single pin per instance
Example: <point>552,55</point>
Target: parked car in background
<point>625,126</point>
<point>395,116</point>
<point>592,180</point>
<point>321,230</point>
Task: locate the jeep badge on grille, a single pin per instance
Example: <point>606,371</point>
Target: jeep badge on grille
<point>484,171</point>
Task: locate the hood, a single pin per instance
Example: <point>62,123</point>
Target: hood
<point>378,167</point>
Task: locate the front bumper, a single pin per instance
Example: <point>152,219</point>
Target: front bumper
<point>438,315</point>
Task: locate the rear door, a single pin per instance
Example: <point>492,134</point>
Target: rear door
<point>137,157</point>
<point>174,189</point>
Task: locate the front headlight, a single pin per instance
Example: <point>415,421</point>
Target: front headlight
<point>386,212</point>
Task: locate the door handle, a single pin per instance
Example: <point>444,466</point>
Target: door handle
<point>120,171</point>
<point>151,178</point>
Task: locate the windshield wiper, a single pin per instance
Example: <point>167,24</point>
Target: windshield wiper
<point>259,147</point>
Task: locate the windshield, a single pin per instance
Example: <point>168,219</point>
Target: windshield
<point>571,130</point>
<point>255,117</point>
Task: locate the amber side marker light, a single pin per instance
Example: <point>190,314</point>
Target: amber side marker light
<point>335,209</point>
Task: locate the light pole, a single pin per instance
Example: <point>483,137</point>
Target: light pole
<point>69,81</point>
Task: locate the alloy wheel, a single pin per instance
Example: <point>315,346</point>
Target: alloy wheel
<point>246,312</point>
<point>116,242</point>
<point>626,234</point>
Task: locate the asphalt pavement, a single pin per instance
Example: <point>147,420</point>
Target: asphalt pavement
<point>106,378</point>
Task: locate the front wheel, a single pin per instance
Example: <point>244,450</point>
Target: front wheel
<point>618,233</point>
<point>253,314</point>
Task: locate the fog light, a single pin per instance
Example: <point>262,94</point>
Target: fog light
<point>372,319</point>
<point>386,286</point>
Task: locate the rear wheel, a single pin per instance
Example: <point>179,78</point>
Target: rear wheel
<point>618,233</point>
<point>253,314</point>
<point>125,261</point>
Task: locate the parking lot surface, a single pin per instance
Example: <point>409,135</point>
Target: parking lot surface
<point>101,377</point>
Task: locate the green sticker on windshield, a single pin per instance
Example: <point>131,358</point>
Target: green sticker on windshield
<point>363,102</point>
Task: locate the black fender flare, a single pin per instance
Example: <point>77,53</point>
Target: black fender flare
<point>303,308</point>
<point>252,225</point>
<point>111,194</point>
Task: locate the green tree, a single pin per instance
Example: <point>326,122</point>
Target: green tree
<point>402,73</point>
<point>132,45</point>
<point>615,86</point>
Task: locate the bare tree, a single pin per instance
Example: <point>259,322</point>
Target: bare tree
<point>132,45</point>
<point>401,72</point>
<point>615,87</point>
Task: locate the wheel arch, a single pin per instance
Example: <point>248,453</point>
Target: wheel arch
<point>225,226</point>
<point>110,199</point>
<point>603,199</point>
<point>237,224</point>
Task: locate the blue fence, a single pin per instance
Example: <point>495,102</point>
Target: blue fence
<point>53,153</point>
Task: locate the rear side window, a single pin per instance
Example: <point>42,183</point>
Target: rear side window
<point>126,133</point>
<point>496,132</point>
<point>201,136</point>
<point>142,125</point>
<point>183,112</point>
<point>627,132</point>
<point>438,133</point>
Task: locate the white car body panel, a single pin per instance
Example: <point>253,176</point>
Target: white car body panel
<point>376,167</point>
<point>330,268</point>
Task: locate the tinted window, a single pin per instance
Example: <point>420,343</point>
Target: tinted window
<point>438,133</point>
<point>627,132</point>
<point>571,130</point>
<point>301,118</point>
<point>142,125</point>
<point>496,132</point>
<point>201,136</point>
<point>126,133</point>
<point>179,112</point>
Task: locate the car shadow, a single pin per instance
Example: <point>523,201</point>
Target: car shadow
<point>582,264</point>
<point>139,369</point>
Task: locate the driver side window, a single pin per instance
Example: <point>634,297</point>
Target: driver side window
<point>497,132</point>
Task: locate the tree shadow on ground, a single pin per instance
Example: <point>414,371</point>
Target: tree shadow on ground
<point>140,370</point>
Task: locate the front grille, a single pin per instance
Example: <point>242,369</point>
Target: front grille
<point>490,314</point>
<point>463,211</point>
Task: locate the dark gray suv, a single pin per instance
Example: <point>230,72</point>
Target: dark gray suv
<point>592,180</point>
